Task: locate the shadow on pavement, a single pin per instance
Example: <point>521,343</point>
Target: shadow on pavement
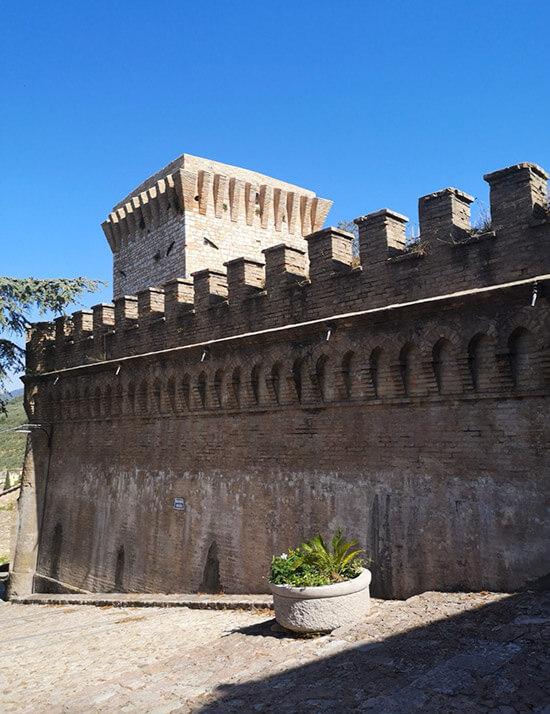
<point>495,658</point>
<point>262,629</point>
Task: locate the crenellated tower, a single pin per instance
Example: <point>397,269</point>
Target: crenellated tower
<point>196,214</point>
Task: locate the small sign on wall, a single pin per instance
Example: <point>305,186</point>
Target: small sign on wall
<point>179,504</point>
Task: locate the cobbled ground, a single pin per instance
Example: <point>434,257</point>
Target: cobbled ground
<point>436,652</point>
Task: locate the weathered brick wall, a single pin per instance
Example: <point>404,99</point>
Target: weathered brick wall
<point>406,400</point>
<point>160,254</point>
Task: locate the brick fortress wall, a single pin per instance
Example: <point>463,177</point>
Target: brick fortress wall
<point>405,398</point>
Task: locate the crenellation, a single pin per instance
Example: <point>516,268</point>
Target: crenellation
<point>126,311</point>
<point>83,323</point>
<point>415,383</point>
<point>178,297</point>
<point>444,217</point>
<point>103,318</point>
<point>202,206</point>
<point>39,341</point>
<point>284,264</point>
<point>329,251</point>
<point>381,236</point>
<point>210,288</point>
<point>514,193</point>
<point>245,277</point>
<point>150,304</point>
<point>63,329</point>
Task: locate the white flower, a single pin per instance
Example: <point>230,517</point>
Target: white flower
<point>283,556</point>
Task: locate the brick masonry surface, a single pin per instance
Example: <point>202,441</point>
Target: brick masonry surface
<point>197,214</point>
<point>404,398</point>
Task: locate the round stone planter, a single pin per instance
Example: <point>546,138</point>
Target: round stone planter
<point>322,608</point>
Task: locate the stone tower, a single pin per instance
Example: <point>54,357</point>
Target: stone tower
<point>196,214</point>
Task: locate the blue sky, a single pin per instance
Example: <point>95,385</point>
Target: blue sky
<point>368,104</point>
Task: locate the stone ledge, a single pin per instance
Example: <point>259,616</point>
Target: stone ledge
<point>199,601</point>
<point>476,238</point>
<point>411,255</point>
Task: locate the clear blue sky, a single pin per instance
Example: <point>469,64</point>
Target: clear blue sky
<point>368,104</point>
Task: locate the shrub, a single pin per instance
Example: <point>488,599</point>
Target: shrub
<point>313,563</point>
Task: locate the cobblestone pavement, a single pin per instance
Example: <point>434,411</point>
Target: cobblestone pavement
<point>436,652</point>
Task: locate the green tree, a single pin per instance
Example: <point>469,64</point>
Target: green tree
<point>17,297</point>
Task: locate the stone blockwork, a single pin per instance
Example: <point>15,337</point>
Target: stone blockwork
<point>405,399</point>
<point>197,214</point>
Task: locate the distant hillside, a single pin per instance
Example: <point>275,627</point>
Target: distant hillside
<point>15,393</point>
<point>12,444</point>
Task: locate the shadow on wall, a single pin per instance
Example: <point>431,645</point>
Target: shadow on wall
<point>480,660</point>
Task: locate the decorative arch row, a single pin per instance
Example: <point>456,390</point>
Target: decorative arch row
<point>352,376</point>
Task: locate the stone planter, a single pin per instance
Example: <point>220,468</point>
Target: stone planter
<point>322,608</point>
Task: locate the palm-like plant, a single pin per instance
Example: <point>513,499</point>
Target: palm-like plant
<point>337,564</point>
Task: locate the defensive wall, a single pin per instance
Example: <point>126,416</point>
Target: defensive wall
<point>404,398</point>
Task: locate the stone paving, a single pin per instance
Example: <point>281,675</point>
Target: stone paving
<point>436,652</point>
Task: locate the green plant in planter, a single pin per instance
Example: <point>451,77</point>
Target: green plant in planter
<point>313,563</point>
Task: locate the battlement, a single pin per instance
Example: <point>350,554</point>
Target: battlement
<point>292,284</point>
<point>198,213</point>
<point>398,389</point>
